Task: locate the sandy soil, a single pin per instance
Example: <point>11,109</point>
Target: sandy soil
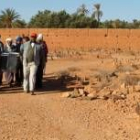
<point>48,116</point>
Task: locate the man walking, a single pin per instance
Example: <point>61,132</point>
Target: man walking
<point>31,58</point>
<point>43,59</point>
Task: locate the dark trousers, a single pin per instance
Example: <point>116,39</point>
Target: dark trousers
<point>1,73</point>
<point>39,76</point>
<point>1,76</point>
<point>9,77</point>
<point>19,74</point>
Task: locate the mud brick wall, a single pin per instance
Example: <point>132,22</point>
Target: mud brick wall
<point>60,39</point>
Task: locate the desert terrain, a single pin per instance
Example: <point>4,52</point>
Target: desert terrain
<point>87,95</point>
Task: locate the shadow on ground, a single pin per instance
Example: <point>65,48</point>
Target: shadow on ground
<point>51,84</point>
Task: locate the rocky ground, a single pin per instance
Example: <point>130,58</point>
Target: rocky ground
<point>90,96</point>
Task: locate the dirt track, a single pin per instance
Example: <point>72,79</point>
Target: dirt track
<point>48,116</point>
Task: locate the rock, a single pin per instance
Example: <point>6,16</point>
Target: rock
<point>55,57</point>
<point>118,97</point>
<point>115,92</point>
<point>103,97</point>
<point>92,95</point>
<point>88,89</point>
<point>122,96</point>
<point>123,86</point>
<point>66,95</point>
<point>104,92</point>
<point>75,86</point>
<point>131,89</point>
<point>124,91</point>
<point>75,93</point>
<point>137,88</point>
<point>81,92</point>
<point>89,98</point>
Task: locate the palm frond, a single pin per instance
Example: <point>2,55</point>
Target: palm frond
<point>8,16</point>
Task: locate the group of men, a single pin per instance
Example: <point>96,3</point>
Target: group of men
<point>31,59</point>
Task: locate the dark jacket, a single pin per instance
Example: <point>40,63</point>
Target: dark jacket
<point>1,47</point>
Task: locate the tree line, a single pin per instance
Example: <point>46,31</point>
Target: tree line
<point>9,18</point>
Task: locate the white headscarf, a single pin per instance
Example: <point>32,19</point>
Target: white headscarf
<point>8,48</point>
<point>39,37</point>
<point>8,39</point>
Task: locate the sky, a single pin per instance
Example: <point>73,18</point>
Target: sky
<point>112,9</point>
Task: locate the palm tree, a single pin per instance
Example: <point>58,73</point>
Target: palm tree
<point>97,14</point>
<point>82,10</point>
<point>8,16</point>
<point>19,24</point>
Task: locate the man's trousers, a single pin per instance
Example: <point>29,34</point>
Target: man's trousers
<point>29,77</point>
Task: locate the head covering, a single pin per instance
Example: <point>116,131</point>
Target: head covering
<point>9,39</point>
<point>19,39</point>
<point>33,35</point>
<point>39,37</point>
<point>8,44</point>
